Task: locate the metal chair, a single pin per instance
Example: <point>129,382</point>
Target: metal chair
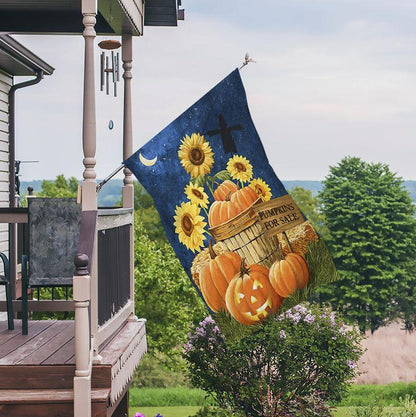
<point>5,280</point>
<point>53,226</point>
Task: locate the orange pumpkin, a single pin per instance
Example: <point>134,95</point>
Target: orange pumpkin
<point>215,277</point>
<point>222,211</point>
<point>244,197</point>
<point>250,297</point>
<point>289,274</point>
<point>225,188</point>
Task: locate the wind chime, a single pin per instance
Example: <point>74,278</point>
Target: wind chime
<point>106,69</point>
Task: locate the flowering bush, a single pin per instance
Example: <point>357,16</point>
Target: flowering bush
<point>303,356</point>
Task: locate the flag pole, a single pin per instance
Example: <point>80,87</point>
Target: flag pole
<point>108,178</point>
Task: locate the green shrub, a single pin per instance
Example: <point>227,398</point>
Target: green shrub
<point>301,353</point>
<point>153,373</point>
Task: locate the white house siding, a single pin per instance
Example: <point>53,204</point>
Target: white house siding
<point>5,84</point>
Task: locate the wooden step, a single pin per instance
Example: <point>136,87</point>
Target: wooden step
<point>48,403</point>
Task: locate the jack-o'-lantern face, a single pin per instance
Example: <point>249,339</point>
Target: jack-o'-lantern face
<point>250,297</point>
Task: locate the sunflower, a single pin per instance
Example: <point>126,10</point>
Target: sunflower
<point>189,225</point>
<point>197,195</point>
<point>240,168</point>
<point>196,155</point>
<point>261,188</point>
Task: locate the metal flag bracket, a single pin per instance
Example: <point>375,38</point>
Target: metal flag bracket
<point>108,178</point>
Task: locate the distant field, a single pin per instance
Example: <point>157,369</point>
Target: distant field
<point>390,357</point>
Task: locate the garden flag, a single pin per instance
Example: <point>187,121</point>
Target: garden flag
<point>239,235</point>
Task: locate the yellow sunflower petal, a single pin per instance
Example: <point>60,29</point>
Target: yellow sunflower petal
<point>197,195</point>
<point>196,155</point>
<point>261,188</point>
<point>189,225</point>
<point>240,168</point>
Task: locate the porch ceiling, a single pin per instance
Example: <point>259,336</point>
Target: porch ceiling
<point>114,17</point>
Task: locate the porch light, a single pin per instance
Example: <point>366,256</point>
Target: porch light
<point>105,69</point>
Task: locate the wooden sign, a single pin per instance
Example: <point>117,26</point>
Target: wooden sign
<point>278,215</point>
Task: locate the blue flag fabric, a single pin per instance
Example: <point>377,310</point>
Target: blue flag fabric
<point>210,179</point>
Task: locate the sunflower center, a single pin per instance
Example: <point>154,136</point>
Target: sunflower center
<point>240,167</point>
<point>259,190</point>
<point>197,193</point>
<point>196,156</point>
<point>187,225</point>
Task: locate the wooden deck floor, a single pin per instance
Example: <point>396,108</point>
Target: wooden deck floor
<point>49,342</point>
<point>43,362</point>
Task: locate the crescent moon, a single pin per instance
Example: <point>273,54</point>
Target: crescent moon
<point>147,162</point>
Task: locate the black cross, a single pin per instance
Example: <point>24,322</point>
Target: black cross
<point>225,132</point>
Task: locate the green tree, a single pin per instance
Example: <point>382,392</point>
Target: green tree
<point>61,187</point>
<point>164,295</point>
<point>146,212</point>
<point>372,227</point>
<point>311,207</point>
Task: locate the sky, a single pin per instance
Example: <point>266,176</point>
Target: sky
<point>332,78</point>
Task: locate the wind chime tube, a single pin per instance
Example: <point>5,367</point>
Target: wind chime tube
<point>113,71</point>
<point>102,70</point>
<point>118,67</point>
<point>107,77</point>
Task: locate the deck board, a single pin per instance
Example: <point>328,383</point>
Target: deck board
<point>59,335</point>
<point>64,355</point>
<point>46,336</point>
<point>19,340</point>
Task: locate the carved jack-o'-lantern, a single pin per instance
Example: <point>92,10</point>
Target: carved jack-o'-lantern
<point>250,297</point>
<point>215,277</point>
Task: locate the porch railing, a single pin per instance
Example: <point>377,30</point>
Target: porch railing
<point>114,298</point>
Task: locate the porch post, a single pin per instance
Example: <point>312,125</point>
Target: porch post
<point>82,379</point>
<point>88,190</point>
<point>127,57</point>
<point>89,195</point>
<point>128,189</point>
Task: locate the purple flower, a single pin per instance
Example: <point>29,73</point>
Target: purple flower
<point>300,309</point>
<point>309,318</point>
<point>282,334</point>
<point>207,320</point>
<point>158,415</point>
<point>351,364</point>
<point>139,415</point>
<point>189,347</point>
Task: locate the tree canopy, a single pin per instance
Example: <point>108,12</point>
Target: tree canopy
<point>372,227</point>
<point>311,207</point>
<point>61,187</point>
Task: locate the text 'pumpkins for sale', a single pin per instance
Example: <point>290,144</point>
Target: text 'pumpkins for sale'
<point>250,297</point>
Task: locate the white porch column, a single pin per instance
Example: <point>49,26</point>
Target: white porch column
<point>127,57</point>
<point>82,379</point>
<point>84,288</point>
<point>128,190</point>
<point>89,195</point>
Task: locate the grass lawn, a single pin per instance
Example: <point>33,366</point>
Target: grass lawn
<point>189,411</point>
<point>180,411</point>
